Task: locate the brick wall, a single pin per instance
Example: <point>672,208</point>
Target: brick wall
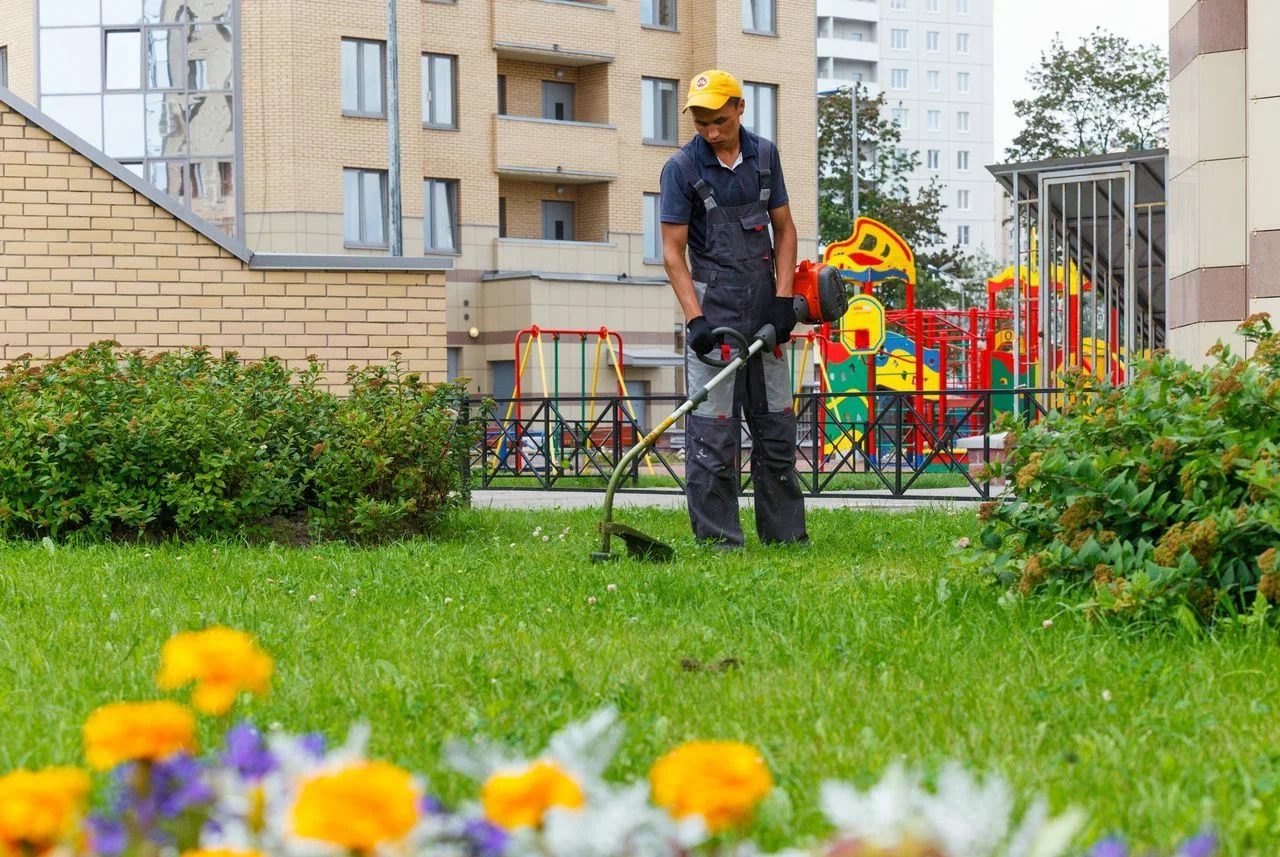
<point>85,257</point>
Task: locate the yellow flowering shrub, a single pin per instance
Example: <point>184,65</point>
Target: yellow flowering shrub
<point>39,809</point>
<point>521,799</point>
<point>722,781</point>
<point>137,731</point>
<point>357,807</point>
<point>222,663</point>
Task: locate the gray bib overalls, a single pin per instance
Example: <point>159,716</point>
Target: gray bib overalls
<point>734,278</point>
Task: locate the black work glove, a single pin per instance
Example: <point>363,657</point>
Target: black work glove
<point>701,339</point>
<point>782,315</point>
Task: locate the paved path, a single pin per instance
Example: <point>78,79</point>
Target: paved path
<point>564,499</point>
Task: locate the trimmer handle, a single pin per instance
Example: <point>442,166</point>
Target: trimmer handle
<point>766,335</point>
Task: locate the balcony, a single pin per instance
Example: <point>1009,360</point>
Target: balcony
<point>548,151</point>
<point>849,49</point>
<point>562,32</point>
<point>855,10</point>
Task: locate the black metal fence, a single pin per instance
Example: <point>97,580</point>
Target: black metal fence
<point>901,445</point>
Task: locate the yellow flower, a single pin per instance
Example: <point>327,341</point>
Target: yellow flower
<point>220,852</point>
<point>129,731</point>
<point>722,781</point>
<point>358,807</point>
<point>221,661</point>
<point>521,799</point>
<point>40,808</point>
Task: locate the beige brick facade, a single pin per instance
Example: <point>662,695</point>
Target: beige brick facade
<point>86,257</point>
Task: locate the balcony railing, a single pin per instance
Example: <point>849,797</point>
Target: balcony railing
<point>563,152</point>
<point>564,32</point>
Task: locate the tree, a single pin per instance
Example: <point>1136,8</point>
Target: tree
<point>1105,95</point>
<point>883,188</point>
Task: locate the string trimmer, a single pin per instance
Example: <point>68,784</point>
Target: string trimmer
<point>821,297</point>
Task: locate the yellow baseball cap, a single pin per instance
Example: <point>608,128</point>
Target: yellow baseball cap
<point>711,89</point>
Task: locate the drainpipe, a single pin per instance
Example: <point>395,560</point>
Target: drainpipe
<point>393,132</point>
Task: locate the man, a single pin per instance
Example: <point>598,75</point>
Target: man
<point>720,195</point>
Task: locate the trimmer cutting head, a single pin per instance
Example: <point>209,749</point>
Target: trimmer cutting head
<point>639,545</point>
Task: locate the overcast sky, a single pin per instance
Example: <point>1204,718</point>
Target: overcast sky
<point>1023,28</point>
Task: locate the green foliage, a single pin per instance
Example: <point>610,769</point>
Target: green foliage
<point>1104,95</point>
<point>113,443</point>
<point>1156,500</point>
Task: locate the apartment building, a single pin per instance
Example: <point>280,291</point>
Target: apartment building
<point>933,59</point>
<point>532,137</point>
<point>1224,171</point>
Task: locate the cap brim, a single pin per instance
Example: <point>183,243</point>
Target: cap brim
<point>708,100</point>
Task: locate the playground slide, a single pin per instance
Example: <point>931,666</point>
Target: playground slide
<point>896,365</point>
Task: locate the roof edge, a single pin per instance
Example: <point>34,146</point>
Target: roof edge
<point>322,262</point>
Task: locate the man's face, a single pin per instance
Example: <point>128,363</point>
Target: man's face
<point>719,127</point>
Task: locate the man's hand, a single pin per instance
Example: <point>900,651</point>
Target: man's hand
<point>701,339</point>
<point>782,315</point>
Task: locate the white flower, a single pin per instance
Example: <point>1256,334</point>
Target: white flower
<point>1048,623</point>
<point>1106,695</point>
<point>313,599</point>
<point>591,600</point>
<point>612,587</point>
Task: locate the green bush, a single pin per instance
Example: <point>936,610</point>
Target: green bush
<point>1153,500</point>
<point>113,443</point>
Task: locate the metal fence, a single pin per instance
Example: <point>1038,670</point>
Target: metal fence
<point>908,447</point>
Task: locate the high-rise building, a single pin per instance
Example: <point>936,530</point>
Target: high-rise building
<point>533,133</point>
<point>933,59</point>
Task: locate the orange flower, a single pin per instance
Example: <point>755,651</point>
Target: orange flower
<point>722,781</point>
<point>39,809</point>
<point>222,662</point>
<point>129,731</point>
<point>521,799</point>
<point>358,807</point>
<point>220,852</point>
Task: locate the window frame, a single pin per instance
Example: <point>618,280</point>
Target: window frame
<point>962,122</point>
<point>4,66</point>
<point>452,192</point>
<point>902,116</point>
<point>965,89</point>
<point>962,7</point>
<point>361,242</point>
<point>894,32</point>
<point>773,18</point>
<point>962,154</point>
<point>675,19</point>
<point>964,236</point>
<point>750,91</point>
<point>962,38</point>
<point>931,77</point>
<point>359,112</point>
<point>933,41</point>
<point>656,223</point>
<point>904,74</point>
<point>933,159</point>
<point>964,202</point>
<point>933,120</point>
<point>428,60</point>
<point>657,104</point>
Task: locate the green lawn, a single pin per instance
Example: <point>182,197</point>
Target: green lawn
<point>660,479</point>
<point>853,653</point>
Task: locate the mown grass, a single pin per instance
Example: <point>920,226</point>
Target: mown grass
<point>659,479</point>
<point>863,649</point>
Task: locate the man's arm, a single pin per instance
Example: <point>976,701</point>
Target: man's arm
<point>675,237</point>
<point>784,249</point>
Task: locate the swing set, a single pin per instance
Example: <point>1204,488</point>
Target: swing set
<point>513,427</point>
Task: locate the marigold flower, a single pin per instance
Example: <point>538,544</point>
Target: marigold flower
<point>722,781</point>
<point>137,731</point>
<point>359,807</point>
<point>520,799</point>
<point>221,852</point>
<point>221,661</point>
<point>39,809</point>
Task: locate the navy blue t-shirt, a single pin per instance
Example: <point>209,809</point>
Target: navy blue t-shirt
<point>741,186</point>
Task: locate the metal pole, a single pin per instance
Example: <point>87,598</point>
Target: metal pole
<point>854,200</point>
<point>393,131</point>
<point>1017,285</point>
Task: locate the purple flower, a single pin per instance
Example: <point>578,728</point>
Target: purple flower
<point>487,839</point>
<point>313,743</point>
<point>1204,845</point>
<point>177,784</point>
<point>430,806</point>
<point>107,837</point>
<point>247,752</point>
<point>1109,848</point>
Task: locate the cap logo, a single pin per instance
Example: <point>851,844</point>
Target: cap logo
<point>701,82</point>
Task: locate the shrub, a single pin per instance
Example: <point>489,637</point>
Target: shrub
<point>1156,499</point>
<point>111,443</point>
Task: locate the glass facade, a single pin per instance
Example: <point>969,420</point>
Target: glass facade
<point>153,84</point>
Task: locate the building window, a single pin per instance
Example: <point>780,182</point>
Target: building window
<point>962,81</point>
<point>760,116</point>
<point>652,228</point>
<point>502,217</point>
<point>932,6</point>
<point>364,78</point>
<point>122,53</point>
<point>962,7</point>
<point>962,121</point>
<point>898,39</point>
<point>933,159</point>
<point>899,78</point>
<point>658,110</point>
<point>935,120</point>
<point>502,95</point>
<point>364,207</point>
<point>903,117</point>
<point>962,160</point>
<point>758,17</point>
<point>962,200</point>
<point>962,235</point>
<point>439,91</point>
<point>4,66</point>
<point>935,81</point>
<point>659,14</point>
<point>440,215</point>
<point>962,43</point>
<point>902,151</point>
<point>454,353</point>
<point>933,41</point>
<point>897,4</point>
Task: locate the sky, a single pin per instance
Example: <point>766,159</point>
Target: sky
<point>1023,28</point>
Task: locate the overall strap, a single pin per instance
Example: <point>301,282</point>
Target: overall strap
<point>700,187</point>
<point>764,166</point>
